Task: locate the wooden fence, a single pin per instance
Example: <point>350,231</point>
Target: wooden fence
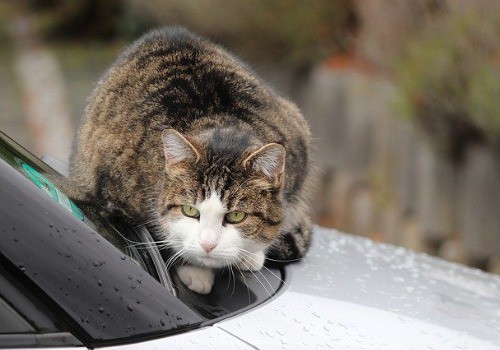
<point>380,177</point>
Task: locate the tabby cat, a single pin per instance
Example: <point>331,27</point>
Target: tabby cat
<point>181,136</point>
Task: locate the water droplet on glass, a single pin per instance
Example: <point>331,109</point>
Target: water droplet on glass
<point>101,309</point>
<point>99,283</point>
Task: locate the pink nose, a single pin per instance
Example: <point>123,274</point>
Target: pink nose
<point>208,246</point>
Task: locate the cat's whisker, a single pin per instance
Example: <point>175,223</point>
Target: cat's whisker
<point>257,278</point>
<point>148,222</point>
<point>165,247</point>
<point>174,258</point>
<point>265,278</point>
<point>160,245</point>
<point>244,251</point>
<point>279,278</point>
<point>242,274</point>
<point>284,261</point>
<point>229,279</point>
<point>232,261</point>
<point>234,279</point>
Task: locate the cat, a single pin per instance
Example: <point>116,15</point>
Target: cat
<point>183,137</point>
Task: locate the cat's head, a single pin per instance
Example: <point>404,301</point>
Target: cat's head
<point>223,195</point>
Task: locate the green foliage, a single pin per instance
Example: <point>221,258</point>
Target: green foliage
<point>297,32</point>
<point>450,76</point>
<point>484,100</point>
<point>293,32</point>
<point>80,19</point>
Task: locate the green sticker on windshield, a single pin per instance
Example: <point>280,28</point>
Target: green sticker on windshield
<point>48,187</point>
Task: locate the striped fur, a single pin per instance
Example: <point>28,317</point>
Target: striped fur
<point>172,79</point>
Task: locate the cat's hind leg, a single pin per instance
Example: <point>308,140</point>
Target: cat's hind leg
<point>291,245</point>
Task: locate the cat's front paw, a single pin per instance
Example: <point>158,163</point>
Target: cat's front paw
<point>252,261</point>
<point>198,279</point>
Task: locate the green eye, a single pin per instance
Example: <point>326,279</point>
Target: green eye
<point>236,217</point>
<point>190,211</point>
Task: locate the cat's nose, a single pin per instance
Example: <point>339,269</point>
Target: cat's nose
<point>208,246</point>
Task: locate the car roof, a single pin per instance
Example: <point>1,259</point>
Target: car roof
<point>353,292</point>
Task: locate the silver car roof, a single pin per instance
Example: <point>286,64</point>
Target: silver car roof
<point>352,293</point>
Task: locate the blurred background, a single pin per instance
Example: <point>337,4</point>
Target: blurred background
<point>403,98</point>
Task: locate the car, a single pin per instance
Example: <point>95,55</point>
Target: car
<point>67,281</point>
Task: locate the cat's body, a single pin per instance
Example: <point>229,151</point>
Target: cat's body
<point>181,136</point>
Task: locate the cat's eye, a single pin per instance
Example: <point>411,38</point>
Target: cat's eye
<point>235,217</point>
<point>190,211</point>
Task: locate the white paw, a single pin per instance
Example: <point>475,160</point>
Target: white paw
<point>252,262</point>
<point>198,279</point>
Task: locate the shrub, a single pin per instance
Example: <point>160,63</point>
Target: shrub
<point>297,33</point>
<point>450,78</point>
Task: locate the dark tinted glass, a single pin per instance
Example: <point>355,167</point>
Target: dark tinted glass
<point>101,295</point>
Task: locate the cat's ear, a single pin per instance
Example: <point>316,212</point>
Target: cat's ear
<point>177,148</point>
<point>268,160</point>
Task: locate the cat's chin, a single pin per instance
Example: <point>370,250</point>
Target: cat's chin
<point>208,261</point>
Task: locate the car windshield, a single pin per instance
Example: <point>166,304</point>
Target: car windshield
<point>232,292</point>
